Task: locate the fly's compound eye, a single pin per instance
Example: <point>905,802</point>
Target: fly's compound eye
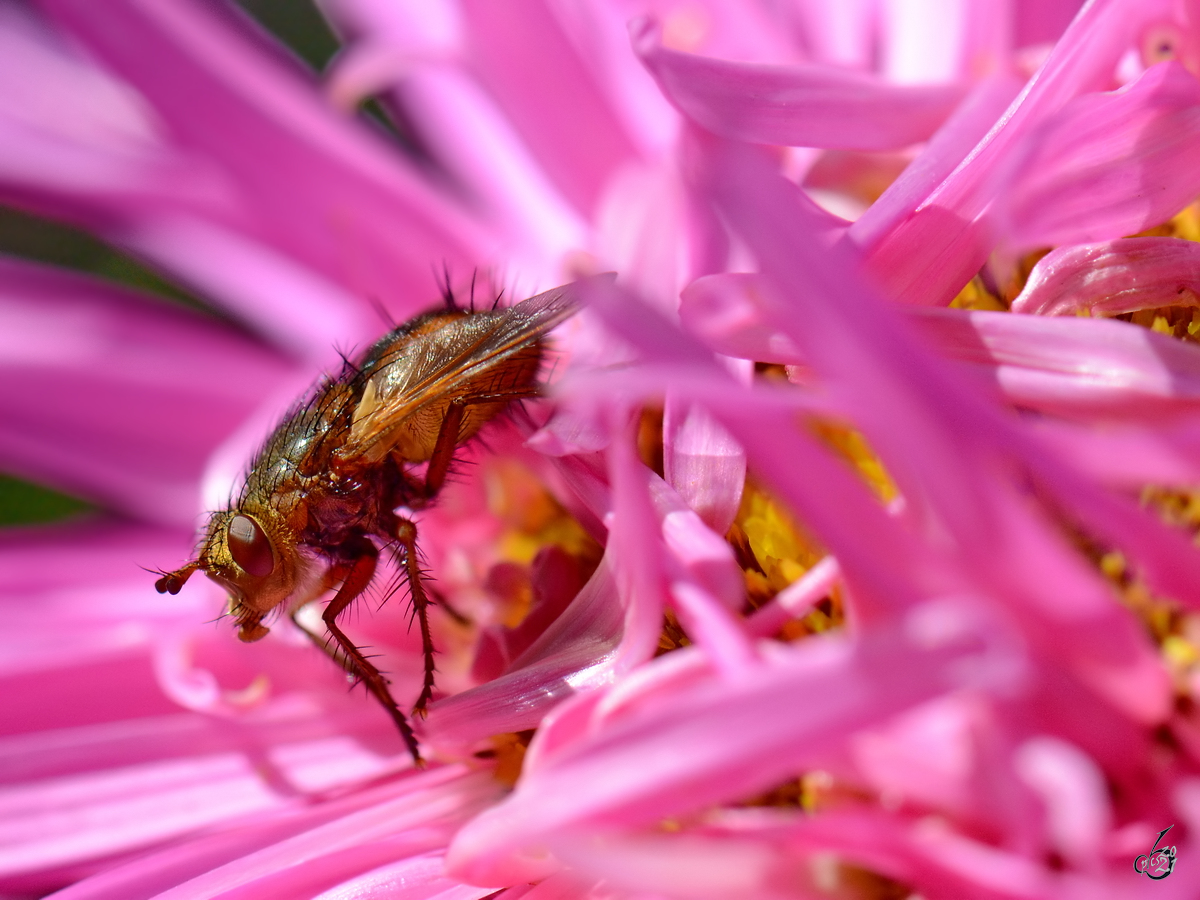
<point>249,547</point>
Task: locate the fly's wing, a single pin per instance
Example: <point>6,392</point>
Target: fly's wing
<point>428,369</point>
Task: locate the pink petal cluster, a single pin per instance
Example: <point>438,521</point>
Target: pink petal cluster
<point>991,721</point>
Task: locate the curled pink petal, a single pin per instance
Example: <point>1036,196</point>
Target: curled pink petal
<point>576,651</point>
<point>1074,365</point>
<point>1112,278</point>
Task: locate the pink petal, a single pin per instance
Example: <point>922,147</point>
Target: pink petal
<point>599,31</point>
<point>75,138</point>
<point>92,374</point>
<point>683,866</point>
<point>1081,367</point>
<point>286,302</point>
<point>1113,278</point>
<point>418,817</point>
<point>417,878</point>
<point>929,256</point>
<point>932,41</point>
<point>831,500</point>
<point>555,580</point>
<point>946,149</point>
<point>1074,792</point>
<point>795,106</point>
<point>368,223</point>
<point>461,127</point>
<point>1088,366</point>
<point>694,551</point>
<point>706,589</point>
<point>636,547</point>
<point>540,81</point>
<point>298,850</point>
<point>785,242</point>
<point>744,854</point>
<point>574,652</point>
<point>1132,536</point>
<point>704,464</point>
<point>1129,457</point>
<point>840,34</point>
<point>1044,21</point>
<point>721,310</point>
<point>931,757</point>
<point>74,601</point>
<point>559,886</point>
<point>81,146</point>
<point>630,771</point>
<point>1108,165</point>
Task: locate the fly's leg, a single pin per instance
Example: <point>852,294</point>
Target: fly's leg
<point>348,656</point>
<point>447,439</point>
<point>406,529</point>
<point>406,535</point>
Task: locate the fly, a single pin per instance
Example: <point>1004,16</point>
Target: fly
<point>321,498</point>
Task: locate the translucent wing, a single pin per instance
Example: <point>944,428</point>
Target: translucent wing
<point>410,384</point>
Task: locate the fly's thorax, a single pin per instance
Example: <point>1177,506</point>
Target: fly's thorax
<point>251,554</point>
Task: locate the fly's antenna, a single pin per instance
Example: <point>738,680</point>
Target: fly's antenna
<point>172,582</point>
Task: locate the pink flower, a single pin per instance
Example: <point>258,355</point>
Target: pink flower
<point>884,619</point>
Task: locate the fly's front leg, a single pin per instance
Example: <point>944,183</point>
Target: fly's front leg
<point>406,534</point>
<point>358,575</point>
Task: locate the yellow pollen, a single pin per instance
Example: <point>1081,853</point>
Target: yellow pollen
<point>853,447</point>
<point>1176,632</point>
<point>509,752</point>
<point>975,295</point>
<point>781,550</point>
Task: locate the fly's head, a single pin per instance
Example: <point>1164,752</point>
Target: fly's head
<point>249,554</point>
